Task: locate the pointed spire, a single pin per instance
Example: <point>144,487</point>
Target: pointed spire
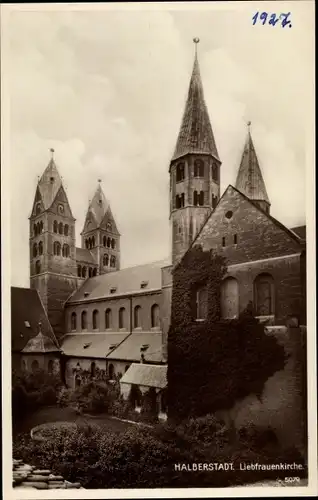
<point>49,183</point>
<point>196,135</point>
<point>99,204</point>
<point>249,178</point>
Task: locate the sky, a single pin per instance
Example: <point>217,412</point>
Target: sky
<point>106,89</point>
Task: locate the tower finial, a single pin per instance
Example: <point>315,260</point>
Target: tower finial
<point>196,40</point>
<point>52,153</point>
<point>99,180</point>
<point>249,124</point>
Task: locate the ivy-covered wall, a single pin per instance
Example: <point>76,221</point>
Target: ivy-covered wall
<point>213,363</point>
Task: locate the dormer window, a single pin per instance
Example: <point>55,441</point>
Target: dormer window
<point>61,209</point>
<point>143,284</point>
<point>113,289</point>
<point>51,180</point>
<point>86,294</point>
<point>144,347</point>
<point>86,346</point>
<point>112,346</point>
<point>27,324</point>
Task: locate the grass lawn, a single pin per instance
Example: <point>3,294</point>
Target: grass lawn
<point>56,414</point>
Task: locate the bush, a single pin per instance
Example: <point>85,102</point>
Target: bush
<point>139,458</point>
<point>33,390</point>
<point>93,397</point>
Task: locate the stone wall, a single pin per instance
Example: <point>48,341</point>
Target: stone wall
<point>76,365</point>
<point>283,405</point>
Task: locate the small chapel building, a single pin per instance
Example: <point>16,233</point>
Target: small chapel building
<point>107,318</point>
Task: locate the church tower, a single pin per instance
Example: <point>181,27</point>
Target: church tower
<point>100,234</point>
<point>194,169</point>
<point>249,178</point>
<point>52,246</point>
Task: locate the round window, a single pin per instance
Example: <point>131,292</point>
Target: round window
<point>229,214</point>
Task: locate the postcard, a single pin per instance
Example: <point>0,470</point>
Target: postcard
<point>158,201</point>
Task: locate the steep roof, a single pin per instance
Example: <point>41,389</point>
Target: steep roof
<point>146,375</point>
<point>125,281</point>
<point>196,135</point>
<point>98,206</point>
<point>40,344</point>
<point>26,312</point>
<point>249,179</point>
<point>90,345</point>
<point>84,255</point>
<point>49,184</point>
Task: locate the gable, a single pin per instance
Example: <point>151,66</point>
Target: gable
<point>61,199</point>
<point>109,218</point>
<point>37,199</point>
<point>258,235</point>
<point>90,222</point>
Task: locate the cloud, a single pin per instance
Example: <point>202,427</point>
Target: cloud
<point>107,89</point>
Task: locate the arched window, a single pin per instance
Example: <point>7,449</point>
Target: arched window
<point>214,201</point>
<point>264,291</point>
<point>121,317</point>
<point>66,250</point>
<point>229,298</point>
<point>37,267</point>
<point>60,228</point>
<point>55,226</point>
<point>40,227</point>
<point>35,229</point>
<point>90,272</point>
<point>137,316</point>
<point>104,241</point>
<point>201,198</point>
<point>108,242</point>
<point>93,241</point>
<point>56,248</point>
<point>109,226</point>
<point>113,243</point>
<point>201,296</point>
<point>79,271</point>
<point>35,250</point>
<point>108,318</point>
<point>38,208</point>
<point>84,320</point>
<point>73,321</point>
<point>40,248</point>
<point>50,366</point>
<point>87,243</point>
<point>113,261</point>
<point>155,316</point>
<point>198,168</point>
<point>195,198</point>
<point>180,172</point>
<point>105,259</point>
<point>94,271</point>
<point>66,230</point>
<point>111,371</point>
<point>215,172</point>
<point>93,369</point>
<point>35,366</point>
<point>83,272</point>
<point>95,319</point>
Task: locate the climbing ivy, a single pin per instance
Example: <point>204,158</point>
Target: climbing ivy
<point>213,363</point>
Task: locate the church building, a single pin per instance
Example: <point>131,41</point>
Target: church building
<point>112,319</point>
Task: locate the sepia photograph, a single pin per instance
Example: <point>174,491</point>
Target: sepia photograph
<point>159,249</point>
